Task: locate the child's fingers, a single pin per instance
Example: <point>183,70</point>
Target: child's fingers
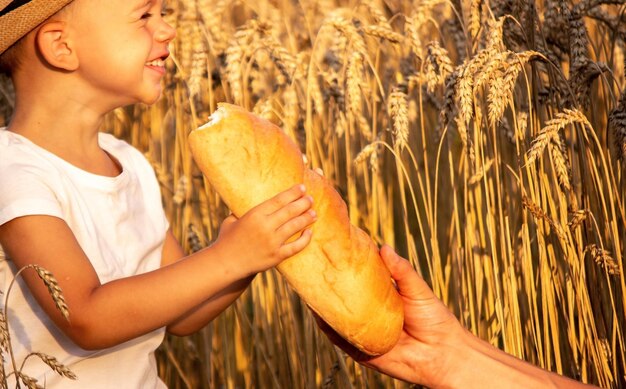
<point>280,200</point>
<point>291,211</point>
<point>292,248</point>
<point>296,224</point>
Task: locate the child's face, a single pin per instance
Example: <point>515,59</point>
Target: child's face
<point>121,46</point>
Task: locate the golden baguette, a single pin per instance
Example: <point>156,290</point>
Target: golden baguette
<point>340,274</point>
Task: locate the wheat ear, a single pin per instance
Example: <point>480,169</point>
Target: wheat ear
<point>54,364</point>
<point>398,111</point>
<point>562,119</point>
<point>54,289</point>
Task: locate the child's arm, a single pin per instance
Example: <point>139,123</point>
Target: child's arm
<point>201,315</point>
<point>104,315</point>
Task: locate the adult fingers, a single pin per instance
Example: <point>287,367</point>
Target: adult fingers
<point>410,284</point>
<point>339,341</point>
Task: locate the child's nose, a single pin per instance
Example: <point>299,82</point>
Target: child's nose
<point>165,32</point>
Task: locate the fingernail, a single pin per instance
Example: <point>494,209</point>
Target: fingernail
<point>313,214</point>
<point>302,188</point>
<point>310,198</point>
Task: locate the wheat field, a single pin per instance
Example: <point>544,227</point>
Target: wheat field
<point>484,140</point>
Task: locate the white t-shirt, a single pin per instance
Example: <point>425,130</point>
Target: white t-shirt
<point>119,223</point>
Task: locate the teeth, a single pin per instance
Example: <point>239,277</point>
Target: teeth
<point>156,62</point>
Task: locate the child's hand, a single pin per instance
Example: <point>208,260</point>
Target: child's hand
<point>260,240</point>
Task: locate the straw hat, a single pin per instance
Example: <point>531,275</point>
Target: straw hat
<point>19,17</point>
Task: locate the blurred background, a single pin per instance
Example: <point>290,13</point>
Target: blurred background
<point>484,140</point>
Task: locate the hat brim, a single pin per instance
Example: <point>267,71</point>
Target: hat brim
<point>24,18</point>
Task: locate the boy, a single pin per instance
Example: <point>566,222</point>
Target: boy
<point>87,206</point>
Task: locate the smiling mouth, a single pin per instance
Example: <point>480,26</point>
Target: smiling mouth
<point>156,62</point>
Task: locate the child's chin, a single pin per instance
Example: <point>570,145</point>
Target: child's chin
<point>149,100</point>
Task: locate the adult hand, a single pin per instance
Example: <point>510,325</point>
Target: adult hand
<point>436,351</point>
<point>417,356</point>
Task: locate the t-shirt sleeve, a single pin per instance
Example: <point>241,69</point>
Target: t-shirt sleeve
<point>25,192</point>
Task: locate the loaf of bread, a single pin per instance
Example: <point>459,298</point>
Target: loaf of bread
<point>340,274</point>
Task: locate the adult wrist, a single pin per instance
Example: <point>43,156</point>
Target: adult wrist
<point>474,363</point>
<point>451,359</point>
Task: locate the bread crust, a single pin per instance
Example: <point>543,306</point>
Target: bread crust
<point>340,274</point>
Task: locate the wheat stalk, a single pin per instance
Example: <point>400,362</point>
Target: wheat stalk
<point>474,17</point>
<point>579,56</point>
<point>503,82</point>
<point>497,97</point>
<point>476,177</point>
<point>561,164</point>
<point>540,214</point>
<point>617,126</point>
<point>30,382</point>
<point>577,218</point>
<point>211,12</point>
<point>364,153</point>
<point>285,61</point>
<point>398,111</point>
<point>494,61</point>
<point>53,288</point>
<point>188,25</point>
<point>354,73</point>
<point>313,86</point>
<point>3,377</point>
<point>494,35</point>
<point>182,190</point>
<point>53,363</point>
<point>236,54</point>
<point>449,99</point>
<point>329,380</point>
<point>411,27</point>
<point>194,240</point>
<point>438,65</point>
<point>384,33</point>
<point>4,331</point>
<point>555,23</point>
<point>603,258</point>
<point>365,128</point>
<point>350,32</point>
<point>378,15</point>
<point>465,91</point>
<point>553,126</point>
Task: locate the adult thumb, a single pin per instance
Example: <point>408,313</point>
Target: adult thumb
<point>410,284</point>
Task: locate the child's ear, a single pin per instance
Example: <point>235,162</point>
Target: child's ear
<point>55,46</point>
